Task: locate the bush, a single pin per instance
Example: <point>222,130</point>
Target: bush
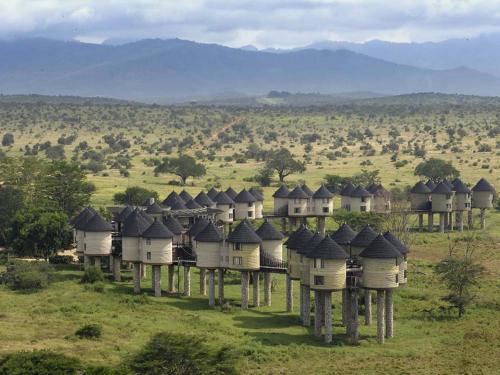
<point>182,354</point>
<point>92,275</point>
<point>89,331</point>
<point>60,259</point>
<point>23,275</point>
<point>39,362</point>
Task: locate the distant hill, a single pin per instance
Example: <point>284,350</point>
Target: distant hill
<point>177,70</point>
<point>61,99</point>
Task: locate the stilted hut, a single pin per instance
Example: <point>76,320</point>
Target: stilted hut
<point>97,239</point>
<point>462,202</point>
<point>361,241</point>
<point>122,216</point>
<point>154,210</point>
<point>483,195</point>
<point>79,223</point>
<point>196,228</point>
<point>345,196</point>
<point>212,193</point>
<point>231,193</point>
<point>420,196</point>
<point>226,204</point>
<point>381,199</point>
<point>309,192</point>
<point>259,202</point>
<point>204,200</point>
<point>360,200</point>
<point>442,203</point>
<point>281,201</point>
<point>323,203</point>
<point>297,202</point>
<point>244,206</point>
<point>403,262</point>
<point>176,228</point>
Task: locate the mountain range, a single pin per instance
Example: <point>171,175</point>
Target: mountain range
<point>155,70</point>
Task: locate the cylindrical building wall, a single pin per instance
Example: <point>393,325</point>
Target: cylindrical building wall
<point>380,273</point>
<point>97,243</point>
<point>331,277</point>
<point>208,254</point>
<point>156,251</point>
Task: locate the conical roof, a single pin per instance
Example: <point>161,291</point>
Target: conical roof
<point>197,226</point>
<point>192,204</point>
<point>364,237</point>
<point>244,233</point>
<point>298,193</point>
<point>170,199</point>
<point>448,183</point>
<point>268,232</point>
<point>257,195</point>
<point>420,188</point>
<point>430,184</point>
<point>209,234</point>
<point>441,188</point>
<point>301,239</point>
<point>328,249</point>
<point>134,224</point>
<point>185,196</point>
<point>380,248</point>
<point>97,224</point>
<point>360,192</point>
<point>379,191</point>
<point>306,190</point>
<point>294,234</point>
<point>459,187</point>
<point>396,243</point>
<point>212,193</point>
<point>83,217</point>
<point>308,246</point>
<point>244,197</point>
<point>347,189</point>
<point>124,214</point>
<point>483,185</point>
<point>82,214</point>
<point>154,209</point>
<point>223,198</point>
<point>344,235</point>
<point>231,193</point>
<point>178,204</point>
<point>146,217</point>
<point>322,193</point>
<point>204,200</point>
<point>282,192</point>
<point>157,230</point>
<point>173,225</point>
<point>372,188</point>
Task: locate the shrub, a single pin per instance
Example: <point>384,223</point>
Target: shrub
<point>60,259</point>
<point>89,331</point>
<point>22,275</point>
<point>39,362</point>
<point>92,275</point>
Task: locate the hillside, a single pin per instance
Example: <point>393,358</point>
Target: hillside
<point>173,70</point>
<point>60,99</point>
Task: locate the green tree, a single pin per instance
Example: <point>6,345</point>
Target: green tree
<point>460,273</point>
<point>55,152</point>
<point>8,139</point>
<point>11,202</point>
<point>436,170</point>
<point>135,196</point>
<point>282,162</point>
<point>184,167</point>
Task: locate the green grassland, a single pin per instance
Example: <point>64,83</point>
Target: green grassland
<point>428,340</point>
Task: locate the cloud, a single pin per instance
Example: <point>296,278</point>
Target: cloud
<point>264,23</point>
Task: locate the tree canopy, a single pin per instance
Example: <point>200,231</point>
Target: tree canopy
<point>135,196</point>
<point>436,169</point>
<point>282,162</point>
<point>184,167</point>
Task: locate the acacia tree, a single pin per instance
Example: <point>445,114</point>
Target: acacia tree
<point>436,169</point>
<point>184,167</point>
<point>284,164</point>
<point>135,196</point>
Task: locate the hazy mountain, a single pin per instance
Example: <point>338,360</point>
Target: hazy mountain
<point>162,70</point>
<point>481,53</point>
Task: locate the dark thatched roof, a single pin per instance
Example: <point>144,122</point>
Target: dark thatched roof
<point>322,193</point>
<point>298,193</point>
<point>308,246</point>
<point>209,234</point>
<point>306,190</point>
<point>212,193</point>
<point>84,216</point>
<point>396,243</point>
<point>344,235</point>
<point>380,248</point>
<point>268,232</point>
<point>328,249</point>
<point>257,195</point>
<point>244,196</point>
<point>244,233</point>
<point>97,224</point>
<point>347,190</point>
<point>483,185</point>
<point>154,209</point>
<point>173,225</point>
<point>459,187</point>
<point>364,237</point>
<point>170,199</point>
<point>192,204</point>
<point>223,198</point>
<point>420,188</point>
<point>441,188</point>
<point>360,192</point>
<point>282,192</point>
<point>134,224</point>
<point>157,230</point>
<point>204,200</point>
<point>299,241</point>
<point>231,192</point>
<point>185,196</point>
<point>197,226</point>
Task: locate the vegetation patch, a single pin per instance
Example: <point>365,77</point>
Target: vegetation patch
<point>89,331</point>
<point>28,276</point>
<point>92,275</point>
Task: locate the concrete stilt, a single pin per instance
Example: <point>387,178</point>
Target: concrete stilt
<point>445,221</point>
<point>348,312</point>
<point>320,225</point>
<point>317,313</point>
<point>256,289</point>
<point>450,221</point>
<point>344,302</point>
<point>86,262</point>
<point>156,280</point>
<point>430,222</point>
<point>459,218</point>
<point>267,288</point>
<point>301,303</point>
<point>380,316</point>
<point>470,220</point>
<point>307,306</point>
<point>211,287</point>
<point>328,317</point>
<point>420,222</point>
<point>203,281</point>
<point>482,216</point>
<point>353,319</point>
<point>389,313</point>
<point>97,262</point>
<point>221,286</point>
<point>289,294</point>
<point>137,278</point>
<point>245,278</point>
<point>283,224</point>
<point>171,278</point>
<point>117,272</point>
<point>442,224</point>
<point>187,281</point>
<point>143,271</point>
<point>368,307</point>
<point>110,263</point>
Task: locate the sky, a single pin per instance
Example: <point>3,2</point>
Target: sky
<point>261,23</point>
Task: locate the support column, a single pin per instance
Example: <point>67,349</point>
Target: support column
<point>187,281</point>
<point>117,272</point>
<point>445,220</point>
<point>389,313</point>
<point>344,307</point>
<point>256,290</point>
<point>110,263</point>
<point>450,221</point>
<point>483,218</point>
<point>470,220</point>
<point>380,316</point>
<point>97,262</point>
<point>317,313</point>
<point>289,294</point>
<point>211,288</point>
<point>283,224</point>
<point>171,278</point>
<point>430,222</point>
<point>203,281</point>
<point>307,306</point>
<point>86,262</point>
<point>368,307</point>
<point>301,303</point>
<point>328,317</point>
<point>221,286</point>
<point>267,288</point>
<point>442,217</point>
<point>320,225</point>
<point>420,222</point>
<point>156,280</point>
<point>348,309</point>
<point>353,319</point>
<point>143,270</point>
<point>245,276</point>
<point>459,218</point>
<point>137,278</point>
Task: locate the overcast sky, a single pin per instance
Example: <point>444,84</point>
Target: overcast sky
<point>262,23</point>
